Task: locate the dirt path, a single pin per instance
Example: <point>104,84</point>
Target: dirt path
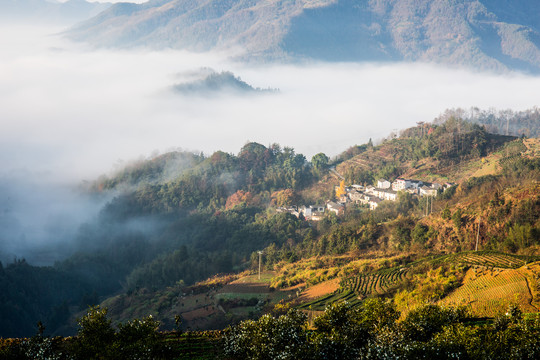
<point>321,289</point>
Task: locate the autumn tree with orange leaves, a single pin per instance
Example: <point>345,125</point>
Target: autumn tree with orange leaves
<point>240,197</point>
<point>340,191</point>
<point>285,197</point>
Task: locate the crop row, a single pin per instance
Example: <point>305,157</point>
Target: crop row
<point>373,283</point>
<point>494,260</point>
<point>502,283</point>
<point>509,159</point>
<point>340,295</point>
<point>489,259</point>
<point>490,288</point>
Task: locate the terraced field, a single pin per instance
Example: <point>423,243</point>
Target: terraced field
<point>376,283</point>
<point>340,295</point>
<point>490,259</point>
<point>489,292</point>
<point>354,289</point>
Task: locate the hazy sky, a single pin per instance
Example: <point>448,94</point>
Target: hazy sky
<point>72,112</point>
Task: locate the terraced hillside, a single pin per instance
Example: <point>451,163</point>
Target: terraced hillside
<point>491,259</point>
<point>486,292</point>
<point>485,264</point>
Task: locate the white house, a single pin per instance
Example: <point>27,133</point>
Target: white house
<point>335,207</point>
<point>412,191</point>
<point>370,189</point>
<point>404,184</point>
<point>373,203</point>
<point>291,210</point>
<point>383,184</point>
<point>388,195</point>
<point>428,191</point>
<point>400,184</point>
<point>312,212</point>
<point>416,184</point>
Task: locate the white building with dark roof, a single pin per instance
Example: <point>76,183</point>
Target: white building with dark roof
<point>428,191</point>
<point>383,184</point>
<point>336,208</point>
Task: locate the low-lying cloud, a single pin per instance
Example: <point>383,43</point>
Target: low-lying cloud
<point>69,113</point>
<point>72,111</point>
<point>39,220</point>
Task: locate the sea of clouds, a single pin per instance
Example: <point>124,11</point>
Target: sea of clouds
<point>69,112</point>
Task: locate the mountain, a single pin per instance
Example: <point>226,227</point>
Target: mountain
<point>491,35</point>
<point>209,82</point>
<point>50,11</point>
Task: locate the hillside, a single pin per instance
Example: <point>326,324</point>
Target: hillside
<point>454,151</point>
<point>354,257</point>
<point>484,282</point>
<point>177,219</point>
<point>489,35</point>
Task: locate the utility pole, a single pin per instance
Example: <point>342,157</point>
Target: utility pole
<point>478,234</point>
<point>260,254</point>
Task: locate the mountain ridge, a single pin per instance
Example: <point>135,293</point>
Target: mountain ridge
<point>494,36</point>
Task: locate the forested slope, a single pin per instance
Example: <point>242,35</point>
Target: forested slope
<point>180,218</point>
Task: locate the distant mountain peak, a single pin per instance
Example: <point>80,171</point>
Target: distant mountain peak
<point>490,35</point>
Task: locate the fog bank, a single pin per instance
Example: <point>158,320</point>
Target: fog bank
<point>74,112</point>
<point>68,113</point>
<point>39,220</point>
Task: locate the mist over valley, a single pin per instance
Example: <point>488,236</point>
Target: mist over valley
<point>135,167</point>
<point>71,113</point>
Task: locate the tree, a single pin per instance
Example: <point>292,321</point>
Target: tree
<point>95,334</point>
<point>457,219</point>
<point>282,198</point>
<point>240,197</point>
<point>340,191</point>
<point>419,234</point>
<point>138,339</point>
<point>320,162</point>
<point>269,338</point>
<point>446,214</point>
<point>339,333</point>
<point>405,202</point>
<point>422,323</point>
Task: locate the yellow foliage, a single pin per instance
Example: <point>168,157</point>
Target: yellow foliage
<point>428,287</point>
<point>340,191</point>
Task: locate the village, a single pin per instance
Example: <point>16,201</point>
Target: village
<point>369,196</point>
